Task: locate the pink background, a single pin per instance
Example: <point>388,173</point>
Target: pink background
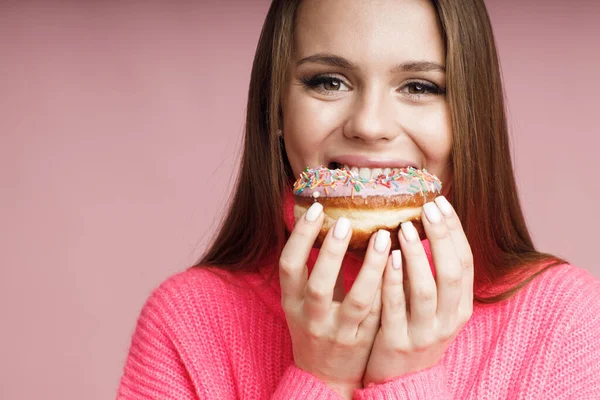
<point>120,127</point>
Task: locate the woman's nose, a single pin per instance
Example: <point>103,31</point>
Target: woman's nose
<point>372,118</point>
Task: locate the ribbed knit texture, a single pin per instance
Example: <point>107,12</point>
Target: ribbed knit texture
<point>207,334</point>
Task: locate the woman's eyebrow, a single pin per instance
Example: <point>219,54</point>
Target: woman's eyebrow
<point>418,66</point>
<point>337,61</point>
<point>327,59</point>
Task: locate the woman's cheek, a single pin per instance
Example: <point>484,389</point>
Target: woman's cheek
<point>303,141</point>
<point>299,155</point>
<point>308,122</point>
<point>430,126</point>
<point>318,117</point>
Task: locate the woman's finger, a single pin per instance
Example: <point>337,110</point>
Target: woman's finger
<point>292,262</point>
<point>463,251</point>
<point>321,284</point>
<point>357,303</point>
<point>423,292</point>
<point>371,323</point>
<point>448,274</point>
<point>393,313</point>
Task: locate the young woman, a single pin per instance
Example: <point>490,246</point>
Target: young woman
<point>472,312</point>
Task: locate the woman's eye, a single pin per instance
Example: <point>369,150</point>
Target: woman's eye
<point>422,88</point>
<point>417,88</point>
<point>332,84</point>
<point>325,84</point>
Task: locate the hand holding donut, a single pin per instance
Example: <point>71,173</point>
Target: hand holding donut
<point>417,327</point>
<point>331,340</point>
<point>416,324</point>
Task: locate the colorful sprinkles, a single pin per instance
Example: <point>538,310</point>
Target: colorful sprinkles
<point>417,180</point>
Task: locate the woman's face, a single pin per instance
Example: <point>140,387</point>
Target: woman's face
<point>366,88</point>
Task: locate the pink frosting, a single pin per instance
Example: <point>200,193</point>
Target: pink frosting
<point>324,182</point>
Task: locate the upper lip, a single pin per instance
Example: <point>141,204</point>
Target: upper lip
<point>369,162</point>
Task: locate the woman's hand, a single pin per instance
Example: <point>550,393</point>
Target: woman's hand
<point>331,340</point>
<point>417,326</point>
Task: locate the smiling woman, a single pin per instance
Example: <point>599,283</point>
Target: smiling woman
<point>473,311</point>
<point>373,93</point>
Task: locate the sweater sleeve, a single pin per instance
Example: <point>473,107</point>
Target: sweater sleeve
<point>159,365</point>
<point>297,384</point>
<point>154,369</point>
<point>430,384</point>
<point>576,370</point>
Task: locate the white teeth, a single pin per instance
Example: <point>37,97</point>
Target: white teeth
<point>365,173</point>
<point>369,173</point>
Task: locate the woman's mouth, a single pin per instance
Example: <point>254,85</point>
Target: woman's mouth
<point>365,172</point>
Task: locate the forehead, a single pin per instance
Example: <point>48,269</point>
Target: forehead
<point>367,30</point>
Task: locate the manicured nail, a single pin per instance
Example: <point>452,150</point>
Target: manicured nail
<point>396,259</point>
<point>409,231</point>
<point>381,240</point>
<point>313,212</point>
<point>444,205</point>
<point>341,229</point>
<point>432,212</point>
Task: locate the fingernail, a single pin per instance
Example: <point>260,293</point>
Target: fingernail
<point>409,231</point>
<point>396,259</point>
<point>444,205</point>
<point>313,212</point>
<point>433,213</point>
<point>342,227</point>
<point>381,240</point>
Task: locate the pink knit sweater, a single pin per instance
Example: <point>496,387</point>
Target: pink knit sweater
<point>216,335</point>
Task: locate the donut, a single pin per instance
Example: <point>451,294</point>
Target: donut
<point>382,202</point>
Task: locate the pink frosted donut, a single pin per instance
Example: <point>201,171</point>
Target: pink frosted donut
<point>383,202</point>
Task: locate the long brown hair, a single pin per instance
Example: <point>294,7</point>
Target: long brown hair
<point>484,192</point>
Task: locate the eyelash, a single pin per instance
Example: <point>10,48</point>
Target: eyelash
<point>316,81</point>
